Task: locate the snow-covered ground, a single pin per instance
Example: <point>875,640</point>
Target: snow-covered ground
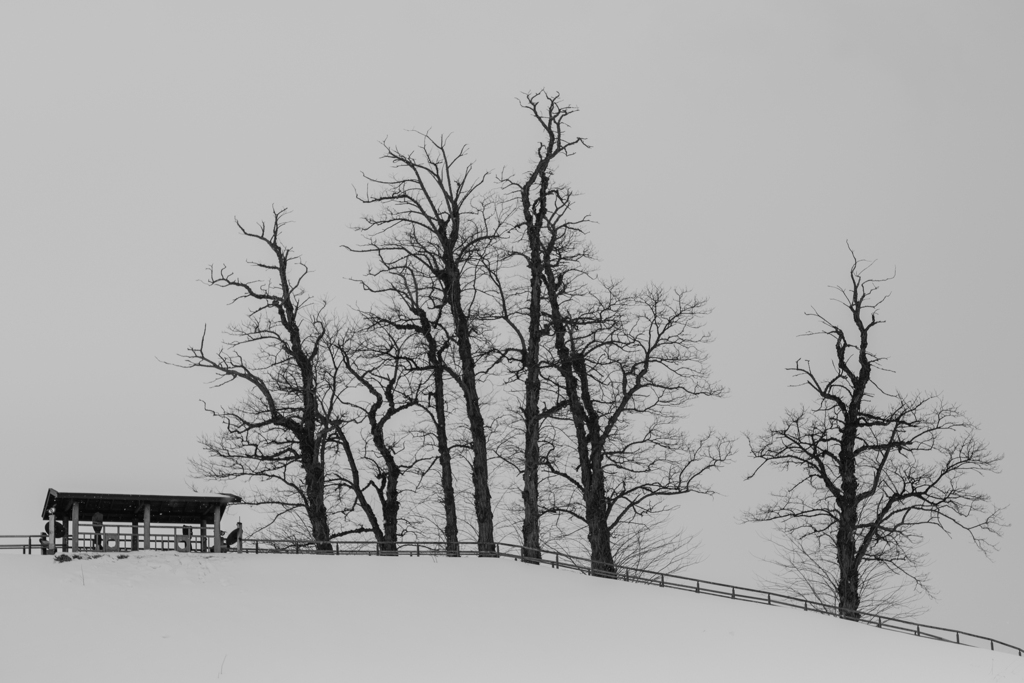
<point>171,617</point>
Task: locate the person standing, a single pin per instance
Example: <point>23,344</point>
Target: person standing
<point>97,527</point>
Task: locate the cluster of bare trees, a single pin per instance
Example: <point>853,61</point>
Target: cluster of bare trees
<point>493,379</point>
<point>493,384</point>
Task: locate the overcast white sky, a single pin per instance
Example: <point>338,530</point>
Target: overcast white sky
<point>736,148</point>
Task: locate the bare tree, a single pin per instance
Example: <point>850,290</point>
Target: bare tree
<point>539,201</point>
<point>378,364</point>
<point>413,304</point>
<point>629,363</point>
<point>435,221</point>
<point>282,432</point>
<point>874,467</point>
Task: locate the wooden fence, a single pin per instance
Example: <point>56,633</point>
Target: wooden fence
<point>559,560</point>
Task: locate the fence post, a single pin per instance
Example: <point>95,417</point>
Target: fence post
<point>769,598</point>
<point>698,586</point>
<point>74,527</point>
<point>662,580</point>
<point>29,545</point>
<point>257,547</point>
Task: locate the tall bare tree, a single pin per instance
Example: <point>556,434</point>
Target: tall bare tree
<point>435,220</point>
<point>539,201</point>
<point>283,432</point>
<point>873,467</point>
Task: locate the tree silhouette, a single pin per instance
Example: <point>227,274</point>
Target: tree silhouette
<point>873,467</point>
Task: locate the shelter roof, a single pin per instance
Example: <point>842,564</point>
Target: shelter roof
<point>128,507</point>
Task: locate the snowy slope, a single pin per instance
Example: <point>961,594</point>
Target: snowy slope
<point>170,617</point>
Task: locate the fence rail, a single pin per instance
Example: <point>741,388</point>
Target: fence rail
<point>117,537</point>
<point>560,560</point>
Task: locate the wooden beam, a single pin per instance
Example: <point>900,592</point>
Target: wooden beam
<point>216,528</point>
<point>74,526</point>
<point>145,527</point>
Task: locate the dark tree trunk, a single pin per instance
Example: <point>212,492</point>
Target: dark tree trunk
<point>388,491</point>
<point>308,427</point>
<point>531,406</point>
<point>444,455</point>
<point>357,489</point>
<point>847,557</point>
<point>316,507</point>
<point>477,428</point>
<point>848,590</point>
<point>531,493</point>
<point>602,562</point>
<point>390,508</point>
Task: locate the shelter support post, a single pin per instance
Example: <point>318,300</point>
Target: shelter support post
<point>64,543</point>
<point>216,528</point>
<point>239,537</point>
<point>74,527</point>
<point>53,533</point>
<point>145,526</point>
<point>203,545</point>
<point>135,535</point>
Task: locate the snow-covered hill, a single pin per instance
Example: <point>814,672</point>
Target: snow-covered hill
<point>171,617</point>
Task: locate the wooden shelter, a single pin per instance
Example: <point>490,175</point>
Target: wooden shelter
<point>160,518</point>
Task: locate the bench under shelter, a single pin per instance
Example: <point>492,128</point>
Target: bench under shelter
<point>137,522</point>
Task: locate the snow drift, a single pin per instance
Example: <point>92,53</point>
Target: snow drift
<point>179,617</point>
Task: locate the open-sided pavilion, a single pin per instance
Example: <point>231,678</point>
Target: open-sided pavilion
<point>167,522</point>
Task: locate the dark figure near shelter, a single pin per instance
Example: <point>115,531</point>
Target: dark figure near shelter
<point>97,527</point>
<point>58,531</point>
<point>231,539</point>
